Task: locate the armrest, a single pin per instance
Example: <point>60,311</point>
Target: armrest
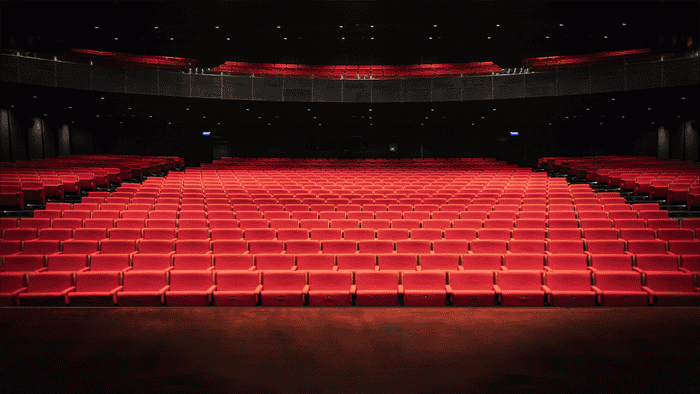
<point>418,268</point>
<point>305,290</point>
<point>648,290</point>
<point>547,269</point>
<point>258,289</point>
<point>116,289</point>
<point>211,289</point>
<point>335,268</point>
<point>628,253</point>
<point>592,269</point>
<point>353,289</point>
<point>294,268</point>
<point>636,269</point>
<point>504,268</point>
<point>84,269</point>
<point>400,289</point>
<point>376,268</point>
<point>23,289</point>
<point>448,288</point>
<point>68,290</point>
<point>546,289</point>
<point>496,289</point>
<point>169,269</point>
<point>42,269</point>
<point>682,269</point>
<point>597,290</point>
<point>210,268</point>
<point>652,295</point>
<point>696,289</point>
<point>127,269</point>
<point>252,268</point>
<point>461,268</point>
<point>164,289</point>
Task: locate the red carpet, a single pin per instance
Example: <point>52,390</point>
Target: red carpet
<point>350,350</point>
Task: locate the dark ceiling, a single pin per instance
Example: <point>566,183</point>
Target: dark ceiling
<point>373,32</point>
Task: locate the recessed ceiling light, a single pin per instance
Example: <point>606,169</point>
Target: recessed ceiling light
<point>45,114</point>
<point>679,116</point>
<point>150,116</point>
<point>682,98</point>
<point>12,106</point>
<point>624,24</point>
<point>258,117</point>
<point>115,38</point>
<point>97,27</point>
<point>494,109</point>
<point>121,122</point>
<point>319,124</point>
<point>488,38</point>
<point>219,123</point>
<point>156,27</point>
<point>546,36</point>
<point>34,96</point>
<point>169,123</point>
<point>187,109</point>
<point>370,124</point>
<point>171,38</point>
<point>550,124</point>
<point>431,38</point>
<point>605,36</point>
<point>97,116</point>
<point>561,24</point>
<point>314,117</point>
<point>102,98</point>
<point>482,117</point>
<point>129,107</point>
<point>341,26</point>
<point>371,25</point>
<point>285,38</point>
<point>204,117</point>
<point>613,99</point>
<point>623,116</point>
<point>567,117</point>
<point>472,124</point>
<point>228,39</point>
<point>498,25</point>
<point>432,109</point>
<point>434,25</point>
<point>70,107</point>
<point>278,27</point>
<point>247,109</point>
<point>421,124</point>
<point>426,117</point>
<point>217,27</point>
<point>370,109</point>
<point>648,109</point>
<point>343,38</point>
<point>72,121</point>
<point>371,38</point>
<point>601,124</point>
<point>652,122</point>
<point>588,109</point>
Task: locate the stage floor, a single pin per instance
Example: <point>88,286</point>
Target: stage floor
<point>350,350</point>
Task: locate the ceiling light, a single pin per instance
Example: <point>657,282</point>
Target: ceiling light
<point>371,25</point>
<point>115,38</point>
<point>494,109</point>
<point>217,27</point>
<point>550,124</point>
<point>121,122</point>
<point>319,124</point>
<point>34,96</point>
<point>12,106</point>
<point>371,38</point>
<point>187,109</point>
<point>624,24</point>
<point>258,117</point>
<point>434,25</point>
<point>370,124</point>
<point>432,109</point>
<point>605,36</point>
<point>472,124</point>
<point>652,122</point>
<point>601,124</point>
<point>567,117</point>
<point>285,38</point>
<point>169,123</point>
<point>648,109</point>
<point>102,98</point>
<point>421,124</point>
<point>682,98</point>
<point>278,27</point>
<point>498,25</point>
<point>314,117</point>
<point>204,117</point>
<point>341,26</point>
<point>247,109</point>
<point>228,39</point>
<point>430,38</point>
<point>488,38</point>
<point>588,109</point>
<point>70,107</point>
<point>343,38</point>
<point>97,27</point>
<point>561,24</point>
<point>623,116</point>
<point>426,117</point>
<point>482,117</point>
<point>171,38</point>
<point>370,110</point>
<point>150,116</point>
<point>613,99</point>
<point>156,27</point>
<point>129,107</point>
<point>45,114</point>
<point>546,36</point>
<point>72,121</point>
<point>97,116</point>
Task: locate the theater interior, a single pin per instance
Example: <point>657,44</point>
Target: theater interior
<point>349,196</point>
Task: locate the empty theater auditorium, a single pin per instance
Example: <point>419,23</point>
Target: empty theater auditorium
<point>349,196</point>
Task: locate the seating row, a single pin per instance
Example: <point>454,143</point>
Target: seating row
<point>230,288</point>
<point>305,260</point>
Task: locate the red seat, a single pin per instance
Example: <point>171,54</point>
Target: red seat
<point>110,246</point>
<point>473,288</point>
<point>109,263</point>
<point>479,246</point>
<point>377,288</point>
<point>225,246</point>
<point>426,234</point>
<point>405,224</point>
<point>608,246</point>
<point>424,288</point>
<point>67,262</point>
<point>620,289</point>
<point>397,262</point>
<point>454,234</point>
<point>656,262</point>
<point>190,288</point>
<point>274,262</point>
<point>439,262</point>
<point>410,246</point>
<point>233,262</point>
<point>265,246</point>
<point>375,247</point>
<point>672,289</point>
<point>569,289</point>
<point>565,247</point>
<point>637,234</point>
<point>375,224</point>
<point>520,288</point>
<point>494,234</point>
<point>684,247</point>
<point>330,288</point>
<point>143,288</point>
<point>193,262</point>
<point>289,234</point>
<point>23,263</point>
<point>520,262</point>
<point>95,289</point>
<point>284,288</point>
<point>314,224</point>
<point>669,234</point>
<point>392,234</point>
<point>237,288</point>
<point>358,234</point>
<point>193,247</point>
<point>46,289</point>
<point>595,234</point>
<point>315,262</point>
<point>564,262</point>
<point>11,284</point>
<point>482,262</point>
<point>646,246</point>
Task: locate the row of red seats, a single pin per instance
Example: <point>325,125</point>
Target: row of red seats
<point>113,59</point>
<point>31,225</point>
<point>455,261</point>
<point>228,288</point>
<point>197,242</point>
<point>604,59</point>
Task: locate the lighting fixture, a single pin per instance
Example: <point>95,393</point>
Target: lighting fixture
<point>285,38</point>
<point>546,37</point>
<point>97,27</point>
<point>171,38</point>
<point>434,25</point>
<point>228,39</point>
<point>156,27</point>
<point>278,27</point>
<point>115,38</point>
<point>217,27</point>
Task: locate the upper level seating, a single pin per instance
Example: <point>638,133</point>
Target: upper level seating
<point>600,59</point>
<point>357,71</point>
<point>104,58</point>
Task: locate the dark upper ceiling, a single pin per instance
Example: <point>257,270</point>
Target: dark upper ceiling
<point>373,32</point>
